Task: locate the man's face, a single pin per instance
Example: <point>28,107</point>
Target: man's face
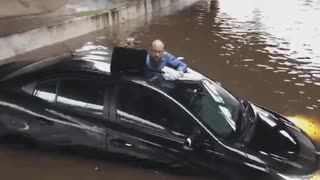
<point>156,54</point>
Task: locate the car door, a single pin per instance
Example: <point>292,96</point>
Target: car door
<point>215,150</point>
<point>77,110</point>
<point>148,124</point>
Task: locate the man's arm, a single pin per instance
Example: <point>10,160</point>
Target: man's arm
<point>175,63</point>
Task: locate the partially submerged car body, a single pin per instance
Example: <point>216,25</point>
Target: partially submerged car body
<point>109,105</point>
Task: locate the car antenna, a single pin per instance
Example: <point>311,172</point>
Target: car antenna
<point>66,47</point>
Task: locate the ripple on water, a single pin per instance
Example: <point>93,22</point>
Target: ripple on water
<point>283,68</point>
<point>308,81</point>
<point>315,74</point>
<point>263,66</point>
<point>304,75</point>
<point>286,63</point>
<point>248,60</point>
<point>280,71</point>
<point>309,125</point>
<point>309,67</point>
<point>316,176</point>
<point>280,92</point>
<point>294,72</point>
<point>310,107</point>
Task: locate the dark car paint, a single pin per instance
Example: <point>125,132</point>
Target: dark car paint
<point>50,123</point>
<point>284,143</point>
<point>208,154</point>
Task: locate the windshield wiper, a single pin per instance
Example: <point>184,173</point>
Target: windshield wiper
<point>247,117</point>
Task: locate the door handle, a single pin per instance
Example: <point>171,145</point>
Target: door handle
<point>120,143</point>
<point>44,121</point>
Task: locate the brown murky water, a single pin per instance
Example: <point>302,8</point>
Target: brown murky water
<point>31,164</point>
<point>265,51</point>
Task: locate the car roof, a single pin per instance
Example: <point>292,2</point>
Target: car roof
<point>97,59</point>
<point>64,62</point>
<point>19,68</point>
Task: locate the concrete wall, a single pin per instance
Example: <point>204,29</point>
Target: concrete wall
<point>10,8</point>
<point>18,44</point>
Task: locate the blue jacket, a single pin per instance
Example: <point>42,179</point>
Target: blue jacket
<point>167,60</point>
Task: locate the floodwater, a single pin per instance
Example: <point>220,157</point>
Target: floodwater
<point>265,51</point>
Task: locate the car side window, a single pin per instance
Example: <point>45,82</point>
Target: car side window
<point>81,95</point>
<point>46,90</point>
<point>152,109</point>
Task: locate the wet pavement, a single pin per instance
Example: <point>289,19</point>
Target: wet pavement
<point>264,51</point>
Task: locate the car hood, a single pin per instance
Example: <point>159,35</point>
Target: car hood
<point>281,144</point>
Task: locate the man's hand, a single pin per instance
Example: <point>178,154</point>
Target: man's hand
<point>180,58</point>
<point>180,74</point>
<point>132,43</point>
<point>171,74</point>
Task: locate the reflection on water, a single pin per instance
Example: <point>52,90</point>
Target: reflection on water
<point>316,177</point>
<point>310,126</point>
<point>290,42</point>
<point>30,164</point>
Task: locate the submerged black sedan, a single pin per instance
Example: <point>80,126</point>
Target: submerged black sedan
<point>110,106</point>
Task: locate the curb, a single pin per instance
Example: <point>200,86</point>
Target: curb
<point>21,43</point>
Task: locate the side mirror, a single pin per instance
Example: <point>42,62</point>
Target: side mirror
<point>191,142</point>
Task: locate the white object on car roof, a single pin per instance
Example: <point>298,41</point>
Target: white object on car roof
<point>191,75</point>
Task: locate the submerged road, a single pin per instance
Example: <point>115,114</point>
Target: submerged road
<point>264,51</point>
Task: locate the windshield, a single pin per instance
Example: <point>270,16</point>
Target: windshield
<point>209,102</point>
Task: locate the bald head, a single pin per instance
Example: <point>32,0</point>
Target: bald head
<point>156,51</point>
<point>157,44</point>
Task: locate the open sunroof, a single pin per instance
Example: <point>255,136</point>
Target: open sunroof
<point>128,61</point>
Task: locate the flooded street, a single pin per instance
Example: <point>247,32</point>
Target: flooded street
<point>267,52</point>
<point>31,164</point>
